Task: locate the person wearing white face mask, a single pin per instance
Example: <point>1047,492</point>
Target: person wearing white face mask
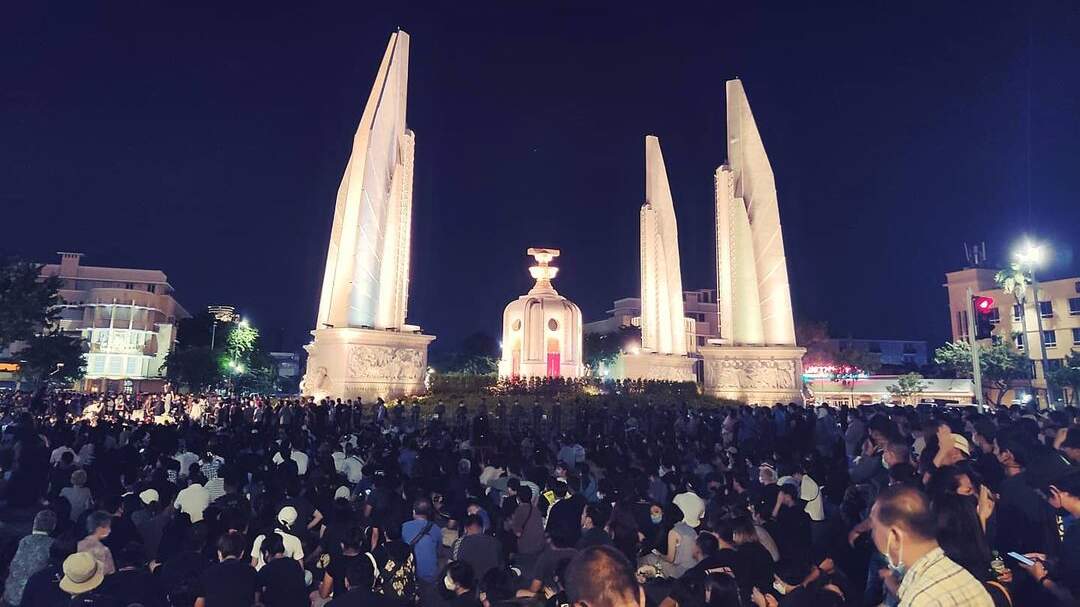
<point>460,582</point>
<point>904,529</point>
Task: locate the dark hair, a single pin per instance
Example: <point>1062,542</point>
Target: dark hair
<point>906,507</point>
<point>353,538</point>
<point>1016,442</point>
<point>960,533</point>
<point>422,507</point>
<point>272,544</point>
<point>131,555</point>
<point>723,590</point>
<point>600,513</point>
<point>1069,483</point>
<point>473,520</point>
<point>601,576</point>
<point>524,494</point>
<point>97,520</point>
<point>462,574</point>
<point>232,544</point>
<point>361,574</point>
<point>708,544</point>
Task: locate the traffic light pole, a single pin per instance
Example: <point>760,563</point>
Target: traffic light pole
<point>976,368</point>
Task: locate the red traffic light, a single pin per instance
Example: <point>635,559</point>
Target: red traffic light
<point>983,305</point>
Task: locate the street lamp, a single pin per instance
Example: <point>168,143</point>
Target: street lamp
<point>1029,255</point>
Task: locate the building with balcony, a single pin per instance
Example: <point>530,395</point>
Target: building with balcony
<point>699,306</point>
<point>1058,306</point>
<point>127,317</point>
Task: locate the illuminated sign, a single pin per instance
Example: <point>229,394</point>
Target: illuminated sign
<point>9,367</point>
<point>834,373</point>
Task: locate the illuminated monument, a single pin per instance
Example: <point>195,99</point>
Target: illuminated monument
<point>542,329</point>
<point>362,346</point>
<point>757,360</point>
<point>664,326</point>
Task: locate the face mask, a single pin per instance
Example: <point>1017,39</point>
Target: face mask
<point>656,518</point>
<point>884,463</point>
<point>449,583</point>
<point>897,567</point>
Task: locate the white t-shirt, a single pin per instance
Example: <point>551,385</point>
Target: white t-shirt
<point>186,459</point>
<point>293,548</point>
<point>353,469</point>
<point>193,500</point>
<point>810,492</point>
<point>299,457</point>
<point>59,452</point>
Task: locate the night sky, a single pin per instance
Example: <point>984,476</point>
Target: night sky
<point>208,139</point>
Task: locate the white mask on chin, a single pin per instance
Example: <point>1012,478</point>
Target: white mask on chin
<point>449,583</point>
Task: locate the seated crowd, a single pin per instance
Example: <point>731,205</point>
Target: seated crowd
<point>604,502</point>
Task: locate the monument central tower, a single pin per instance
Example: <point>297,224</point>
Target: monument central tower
<point>363,346</point>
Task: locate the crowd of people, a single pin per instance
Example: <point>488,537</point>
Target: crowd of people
<point>605,501</point>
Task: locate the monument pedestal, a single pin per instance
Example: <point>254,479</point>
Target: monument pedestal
<point>762,375</point>
<point>365,363</point>
<point>660,367</point>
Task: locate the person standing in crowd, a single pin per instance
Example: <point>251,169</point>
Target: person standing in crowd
<point>31,556</point>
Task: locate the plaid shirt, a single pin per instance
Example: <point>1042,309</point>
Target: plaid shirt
<point>935,580</point>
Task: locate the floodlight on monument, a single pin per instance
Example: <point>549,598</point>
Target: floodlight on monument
<point>244,323</point>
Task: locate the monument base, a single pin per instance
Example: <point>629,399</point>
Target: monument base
<point>365,363</point>
<point>762,375</point>
<point>660,367</point>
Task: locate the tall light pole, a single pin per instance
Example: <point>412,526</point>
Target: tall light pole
<point>1028,256</point>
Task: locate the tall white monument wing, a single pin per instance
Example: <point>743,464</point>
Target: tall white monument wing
<point>367,266</point>
<point>662,315</point>
<point>752,187</point>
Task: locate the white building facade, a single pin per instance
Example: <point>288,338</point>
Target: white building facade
<point>128,318</point>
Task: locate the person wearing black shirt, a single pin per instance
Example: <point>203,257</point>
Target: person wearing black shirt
<point>790,526</point>
<point>132,582</point>
<point>711,557</point>
<point>564,517</point>
<point>231,581</point>
<point>594,517</point>
<point>360,582</point>
<point>280,582</point>
<point>351,550</point>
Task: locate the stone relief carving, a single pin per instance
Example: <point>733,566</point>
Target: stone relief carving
<point>314,381</point>
<point>752,374</point>
<point>386,363</point>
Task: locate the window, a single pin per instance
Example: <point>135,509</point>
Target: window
<point>701,340</point>
<point>874,347</point>
<point>1016,312</point>
<point>1046,309</point>
<point>1076,336</point>
<point>151,288</point>
<point>1053,364</point>
<point>1077,287</point>
<point>1018,339</point>
<point>994,316</point>
<point>129,285</point>
<point>1074,306</point>
<point>909,348</point>
<point>1049,338</point>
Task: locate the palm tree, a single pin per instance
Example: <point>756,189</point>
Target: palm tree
<point>1014,281</point>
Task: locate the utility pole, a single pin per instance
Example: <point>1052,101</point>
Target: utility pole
<point>1042,346</point>
<point>976,368</point>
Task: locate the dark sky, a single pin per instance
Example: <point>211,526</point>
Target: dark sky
<point>207,140</point>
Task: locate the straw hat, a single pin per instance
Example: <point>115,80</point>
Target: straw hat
<point>82,573</point>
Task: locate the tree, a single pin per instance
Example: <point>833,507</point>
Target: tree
<point>27,304</point>
<point>54,357</point>
<point>1067,377</point>
<point>814,336</point>
<point>1000,365</point>
<point>1014,281</point>
<point>907,386</point>
<point>605,348</point>
<point>196,367</point>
